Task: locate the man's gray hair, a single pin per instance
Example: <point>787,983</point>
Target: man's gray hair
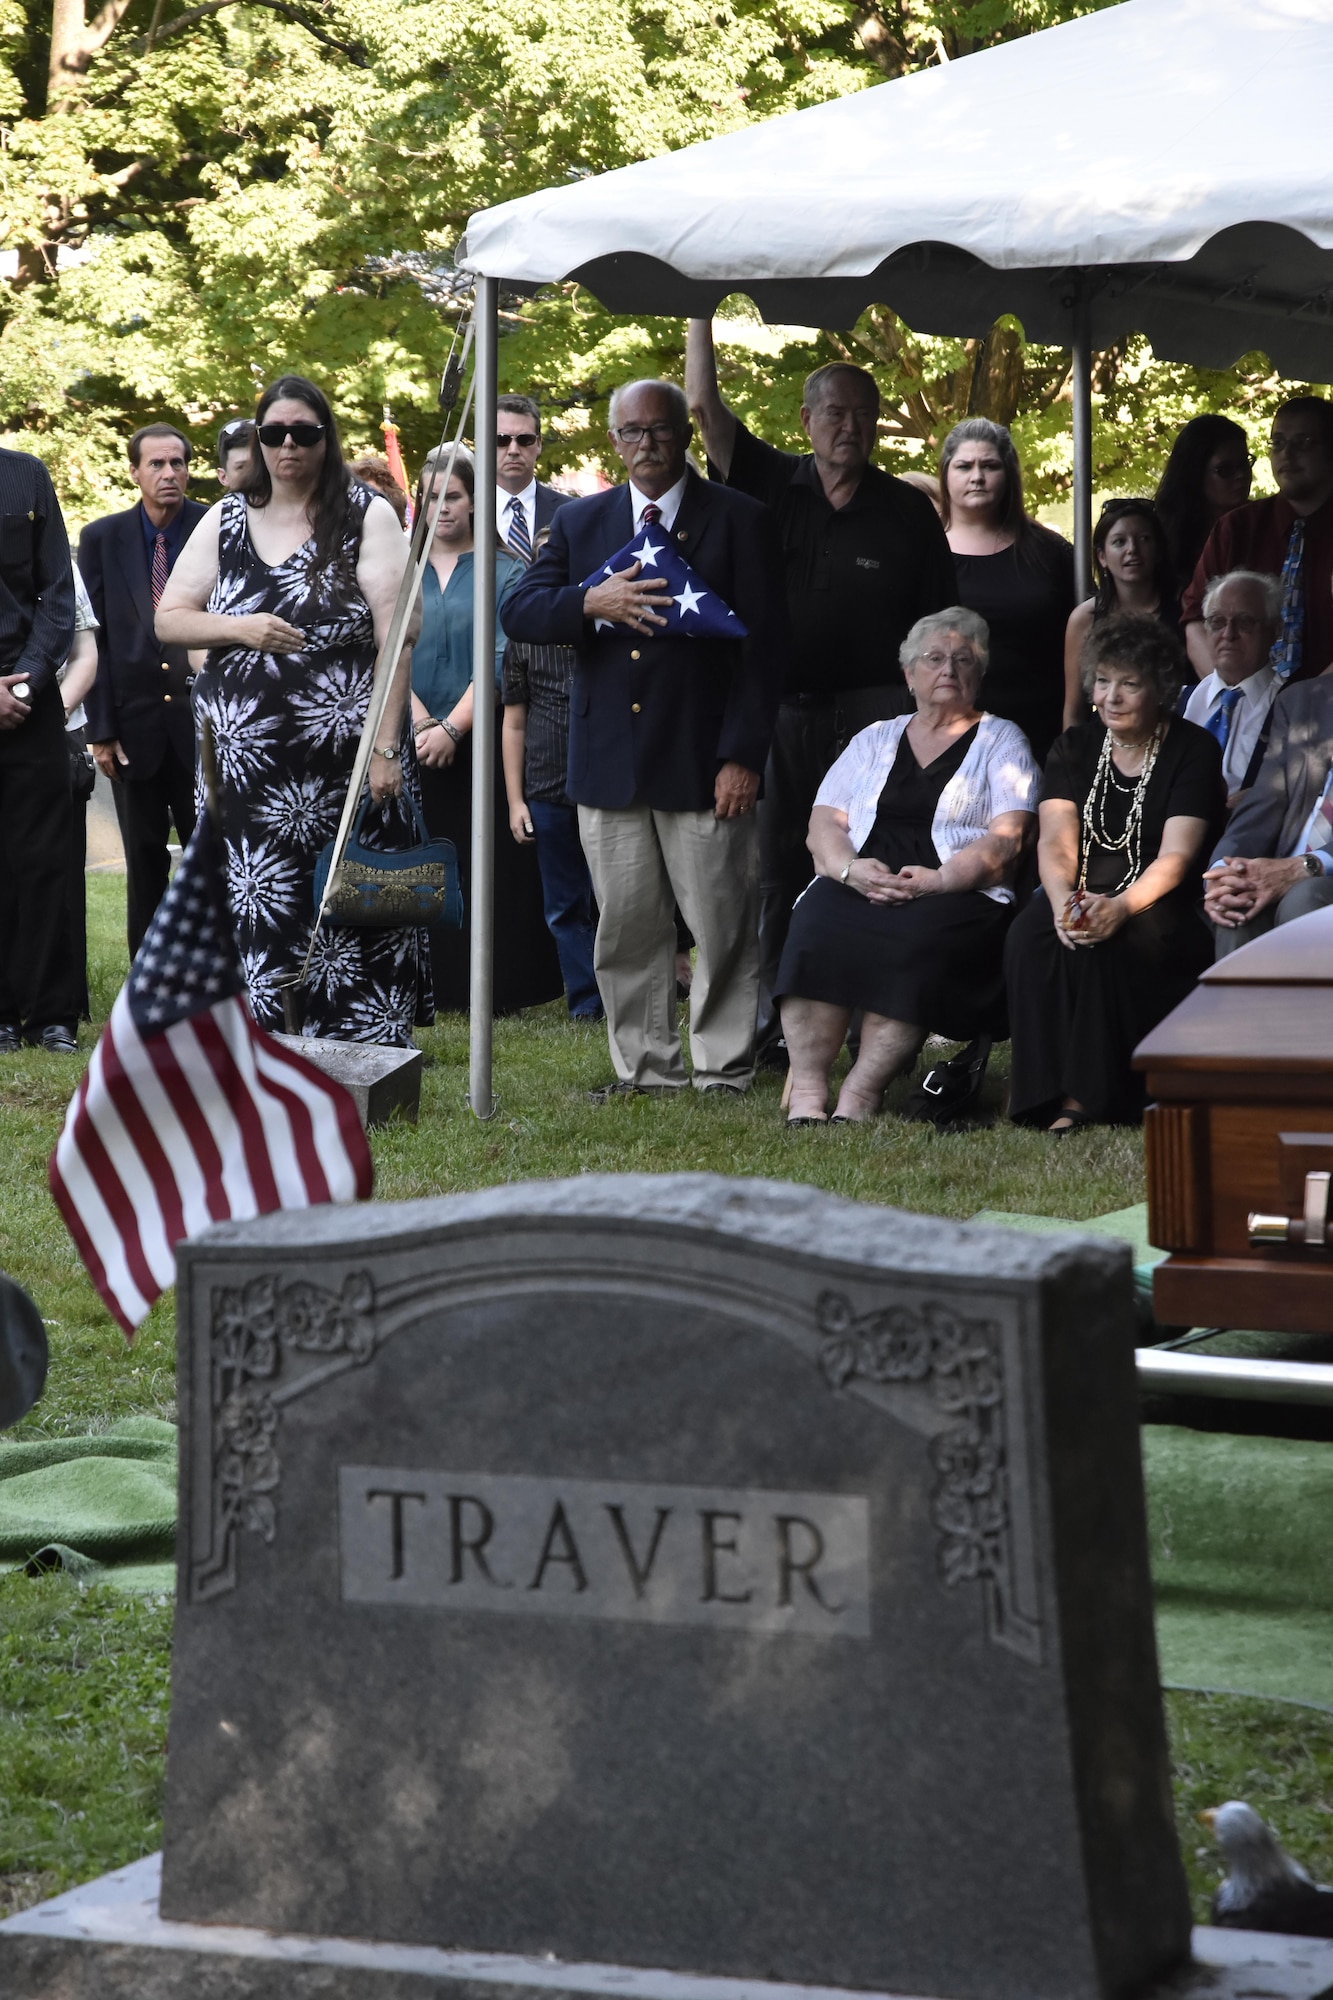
<point>956,619</point>
<point>818,383</point>
<point>1268,586</point>
<point>674,394</point>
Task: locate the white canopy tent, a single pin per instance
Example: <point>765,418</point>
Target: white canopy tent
<point>1160,167</point>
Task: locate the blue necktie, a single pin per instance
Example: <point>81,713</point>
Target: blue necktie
<point>1285,658</point>
<point>1219,723</point>
<point>516,534</point>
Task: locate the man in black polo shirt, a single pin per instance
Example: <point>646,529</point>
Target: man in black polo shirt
<point>865,558</point>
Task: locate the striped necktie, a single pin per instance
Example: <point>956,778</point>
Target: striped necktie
<point>159,567</point>
<point>1222,720</point>
<point>652,512</point>
<point>1285,658</point>
<point>516,534</point>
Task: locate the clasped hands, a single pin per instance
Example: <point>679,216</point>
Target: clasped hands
<point>1089,919</point>
<point>1240,886</point>
<point>879,884</point>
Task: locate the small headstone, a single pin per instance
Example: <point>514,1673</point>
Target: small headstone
<point>382,1080</point>
<point>23,1353</point>
<point>689,1573</point>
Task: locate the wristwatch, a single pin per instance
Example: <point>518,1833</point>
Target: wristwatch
<point>390,756</point>
<point>846,872</point>
<point>1312,864</point>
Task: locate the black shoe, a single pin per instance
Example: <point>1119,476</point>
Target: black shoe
<point>10,1038</point>
<point>723,1089</point>
<point>58,1039</point>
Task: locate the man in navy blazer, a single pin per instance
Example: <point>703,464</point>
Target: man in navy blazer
<point>667,740</point>
<point>140,725</point>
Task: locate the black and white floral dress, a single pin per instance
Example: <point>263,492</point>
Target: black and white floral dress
<point>286,727</point>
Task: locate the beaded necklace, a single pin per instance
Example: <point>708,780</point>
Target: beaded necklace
<point>1107,780</point>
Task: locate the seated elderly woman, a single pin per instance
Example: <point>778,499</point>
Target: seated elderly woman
<point>1131,803</point>
<point>916,833</point>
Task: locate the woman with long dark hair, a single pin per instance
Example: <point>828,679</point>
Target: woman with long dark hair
<point>1016,574</point>
<point>526,969</point>
<point>1207,474</point>
<point>1131,566</point>
<point>291,583</point>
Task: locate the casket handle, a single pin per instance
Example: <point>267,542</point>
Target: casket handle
<point>1309,1228</point>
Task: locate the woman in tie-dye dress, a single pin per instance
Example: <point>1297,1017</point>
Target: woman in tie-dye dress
<point>290,585</point>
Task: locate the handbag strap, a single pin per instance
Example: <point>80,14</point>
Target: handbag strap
<point>404,798</point>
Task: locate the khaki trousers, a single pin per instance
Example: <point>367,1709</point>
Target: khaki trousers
<point>643,863</point>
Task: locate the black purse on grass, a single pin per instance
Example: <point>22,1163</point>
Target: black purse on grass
<point>381,889</point>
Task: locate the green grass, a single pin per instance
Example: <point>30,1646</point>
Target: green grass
<point>83,1672</point>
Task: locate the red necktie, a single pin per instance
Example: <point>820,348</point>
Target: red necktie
<point>159,568</point>
<point>651,513</point>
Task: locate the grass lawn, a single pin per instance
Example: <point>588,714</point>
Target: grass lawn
<point>83,1672</point>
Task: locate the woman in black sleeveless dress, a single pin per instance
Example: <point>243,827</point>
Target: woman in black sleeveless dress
<point>288,705</point>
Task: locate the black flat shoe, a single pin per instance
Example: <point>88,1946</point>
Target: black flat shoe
<point>794,1123</point>
<point>1077,1121</point>
<point>608,1092</point>
<point>10,1038</point>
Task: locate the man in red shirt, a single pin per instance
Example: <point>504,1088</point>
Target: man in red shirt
<point>1290,536</point>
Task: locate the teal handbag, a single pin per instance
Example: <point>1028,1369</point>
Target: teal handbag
<point>378,889</point>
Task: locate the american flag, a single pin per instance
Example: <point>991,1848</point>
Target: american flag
<point>695,611</point>
<point>189,1114</point>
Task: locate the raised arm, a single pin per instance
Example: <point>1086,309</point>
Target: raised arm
<point>717,426</point>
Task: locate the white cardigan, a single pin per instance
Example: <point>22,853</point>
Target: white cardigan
<point>998,775</point>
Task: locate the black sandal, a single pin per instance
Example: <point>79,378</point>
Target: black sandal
<point>1077,1121</point>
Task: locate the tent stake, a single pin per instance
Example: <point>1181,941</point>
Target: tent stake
<point>481,1099</point>
<point>1082,387</point>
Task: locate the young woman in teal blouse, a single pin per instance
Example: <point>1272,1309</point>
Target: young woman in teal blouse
<point>527,970</point>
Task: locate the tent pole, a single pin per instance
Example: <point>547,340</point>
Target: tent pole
<point>482,981</point>
<point>1082,387</point>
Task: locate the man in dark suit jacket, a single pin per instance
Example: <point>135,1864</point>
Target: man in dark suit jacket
<point>667,739</point>
<point>1275,860</point>
<point>140,726</point>
<point>523,506</point>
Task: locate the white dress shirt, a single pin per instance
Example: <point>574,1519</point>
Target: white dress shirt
<point>1247,718</point>
<point>527,500</point>
<point>668,506</point>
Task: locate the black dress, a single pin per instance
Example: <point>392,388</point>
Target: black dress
<point>1077,1016</point>
<point>1025,596</point>
<point>935,963</point>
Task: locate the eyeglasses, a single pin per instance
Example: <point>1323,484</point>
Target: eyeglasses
<point>937,660</point>
<point>1301,441</point>
<point>524,438</point>
<point>659,433</point>
<point>1217,626</point>
<point>300,434</point>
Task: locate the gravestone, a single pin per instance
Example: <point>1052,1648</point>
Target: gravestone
<point>382,1079</point>
<point>687,1573</point>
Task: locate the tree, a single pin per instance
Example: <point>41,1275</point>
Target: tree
<point>204,195</point>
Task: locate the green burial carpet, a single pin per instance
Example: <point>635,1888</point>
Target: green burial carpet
<point>102,1507</point>
<point>1240,1530</point>
<point>1128,1225</point>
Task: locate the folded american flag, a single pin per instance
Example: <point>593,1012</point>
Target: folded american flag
<point>189,1114</point>
<point>695,611</point>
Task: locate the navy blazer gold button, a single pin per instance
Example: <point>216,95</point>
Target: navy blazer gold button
<point>636,707</point>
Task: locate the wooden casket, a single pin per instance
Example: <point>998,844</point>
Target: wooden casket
<point>1239,1139</point>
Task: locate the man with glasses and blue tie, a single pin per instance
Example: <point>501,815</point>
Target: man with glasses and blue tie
<point>523,506</point>
<point>1275,860</point>
<point>1241,619</point>
<point>1289,535</point>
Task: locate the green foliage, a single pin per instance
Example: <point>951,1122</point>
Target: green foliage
<point>195,217</point>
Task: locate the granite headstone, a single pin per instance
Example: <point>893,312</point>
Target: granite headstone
<point>702,1574</point>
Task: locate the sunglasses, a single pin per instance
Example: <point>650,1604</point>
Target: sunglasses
<point>524,438</point>
<point>300,434</point>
